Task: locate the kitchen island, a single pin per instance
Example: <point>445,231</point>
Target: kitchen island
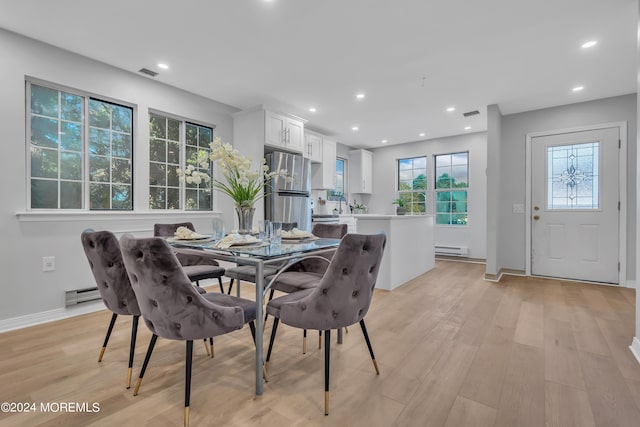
<point>409,251</point>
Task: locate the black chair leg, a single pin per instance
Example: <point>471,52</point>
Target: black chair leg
<point>319,340</point>
<point>366,337</point>
<point>106,338</point>
<point>327,356</point>
<point>147,356</point>
<point>132,348</point>
<point>187,382</point>
<point>264,324</point>
<point>198,283</point>
<point>220,283</point>
<point>230,287</point>
<point>276,320</point>
<point>252,326</point>
<point>304,341</point>
<point>211,346</point>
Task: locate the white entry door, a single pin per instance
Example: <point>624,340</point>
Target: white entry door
<point>575,205</point>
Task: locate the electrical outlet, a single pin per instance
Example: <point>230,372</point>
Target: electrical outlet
<point>48,263</point>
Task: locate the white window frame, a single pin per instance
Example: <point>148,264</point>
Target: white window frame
<point>449,189</point>
<point>86,179</point>
<point>414,192</point>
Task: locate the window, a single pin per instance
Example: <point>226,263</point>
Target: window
<point>339,192</point>
<point>451,183</point>
<point>65,127</point>
<point>165,148</point>
<point>164,158</point>
<point>572,176</point>
<point>412,184</point>
<point>198,138</point>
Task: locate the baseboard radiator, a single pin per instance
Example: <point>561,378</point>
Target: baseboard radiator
<point>79,296</point>
<point>461,251</point>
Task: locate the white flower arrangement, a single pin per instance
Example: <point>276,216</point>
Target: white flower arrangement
<point>243,185</point>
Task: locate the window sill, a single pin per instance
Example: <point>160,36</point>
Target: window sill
<point>56,216</point>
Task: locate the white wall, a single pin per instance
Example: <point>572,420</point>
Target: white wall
<point>24,288</point>
<point>511,239</point>
<point>385,159</point>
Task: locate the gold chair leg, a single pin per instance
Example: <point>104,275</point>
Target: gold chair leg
<point>206,347</point>
<point>101,354</point>
<point>137,388</point>
<point>326,403</point>
<point>375,365</point>
<point>129,377</point>
<point>304,345</point>
<point>319,340</point>
<point>346,329</point>
<point>186,416</point>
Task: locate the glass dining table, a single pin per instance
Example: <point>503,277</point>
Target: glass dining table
<point>259,255</point>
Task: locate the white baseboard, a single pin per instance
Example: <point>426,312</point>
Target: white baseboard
<point>631,284</point>
<point>49,316</point>
<point>635,348</point>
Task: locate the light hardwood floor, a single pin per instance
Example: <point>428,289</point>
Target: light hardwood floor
<point>453,350</point>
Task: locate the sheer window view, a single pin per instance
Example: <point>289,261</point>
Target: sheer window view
<point>451,183</point>
<point>198,138</point>
<point>572,176</point>
<point>110,166</point>
<point>412,184</point>
<point>339,192</point>
<point>164,157</point>
<point>58,147</point>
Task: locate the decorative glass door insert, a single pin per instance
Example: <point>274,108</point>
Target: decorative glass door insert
<point>573,178</point>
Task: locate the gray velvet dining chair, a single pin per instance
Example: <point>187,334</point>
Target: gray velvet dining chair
<point>172,308</point>
<point>197,267</point>
<point>307,272</point>
<point>105,260</point>
<point>341,298</point>
<point>248,272</point>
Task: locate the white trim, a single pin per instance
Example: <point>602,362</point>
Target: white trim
<point>60,215</point>
<point>50,316</point>
<point>635,348</point>
<point>622,188</point>
<point>631,284</point>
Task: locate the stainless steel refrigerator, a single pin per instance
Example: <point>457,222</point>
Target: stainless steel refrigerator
<point>288,199</point>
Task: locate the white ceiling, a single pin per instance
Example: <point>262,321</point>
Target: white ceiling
<point>519,54</point>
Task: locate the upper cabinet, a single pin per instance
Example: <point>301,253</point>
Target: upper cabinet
<point>323,175</point>
<point>312,146</point>
<point>284,132</point>
<point>360,171</point>
<point>259,127</point>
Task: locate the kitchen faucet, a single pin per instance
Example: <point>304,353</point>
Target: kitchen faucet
<point>340,205</point>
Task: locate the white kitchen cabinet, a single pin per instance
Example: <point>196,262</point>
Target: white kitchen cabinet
<point>360,171</point>
<point>283,131</point>
<point>312,147</point>
<point>266,128</point>
<point>323,175</point>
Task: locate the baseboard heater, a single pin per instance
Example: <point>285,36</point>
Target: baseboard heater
<point>461,251</point>
<point>79,296</point>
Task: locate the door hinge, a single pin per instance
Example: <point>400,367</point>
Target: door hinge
<point>618,266</point>
<point>618,205</point>
<point>619,143</point>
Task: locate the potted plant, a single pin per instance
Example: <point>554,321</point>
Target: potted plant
<point>400,209</point>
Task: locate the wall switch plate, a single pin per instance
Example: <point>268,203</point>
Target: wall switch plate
<point>518,208</point>
<point>48,263</point>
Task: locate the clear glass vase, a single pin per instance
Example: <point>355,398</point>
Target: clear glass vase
<point>245,219</point>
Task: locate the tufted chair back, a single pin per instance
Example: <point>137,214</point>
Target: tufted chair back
<point>344,294</point>
<point>329,231</point>
<point>105,259</point>
<point>170,305</point>
<point>168,230</point>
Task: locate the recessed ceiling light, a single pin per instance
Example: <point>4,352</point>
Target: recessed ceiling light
<point>312,109</point>
<point>355,128</point>
<point>163,66</point>
<point>360,96</point>
<point>421,134</point>
<point>450,109</point>
<point>467,127</point>
<point>384,141</point>
<point>577,88</point>
<point>590,43</point>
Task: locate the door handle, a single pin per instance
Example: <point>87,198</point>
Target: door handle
<point>536,217</point>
